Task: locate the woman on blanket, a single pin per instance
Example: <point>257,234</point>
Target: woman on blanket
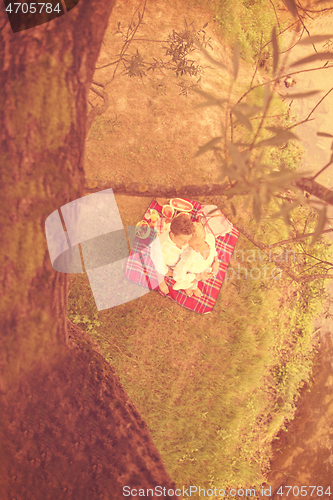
<point>198,262</point>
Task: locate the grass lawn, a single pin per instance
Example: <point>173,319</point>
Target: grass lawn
<point>213,389</point>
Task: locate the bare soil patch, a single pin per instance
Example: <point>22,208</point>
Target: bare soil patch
<point>151,132</point>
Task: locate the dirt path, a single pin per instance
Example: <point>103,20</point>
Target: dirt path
<point>304,453</point>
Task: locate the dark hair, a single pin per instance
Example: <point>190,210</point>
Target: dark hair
<point>182,225</point>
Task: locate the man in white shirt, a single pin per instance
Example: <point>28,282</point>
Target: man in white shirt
<point>166,250</point>
<point>198,262</point>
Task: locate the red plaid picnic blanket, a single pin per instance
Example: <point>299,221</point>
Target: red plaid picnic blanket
<point>140,268</point>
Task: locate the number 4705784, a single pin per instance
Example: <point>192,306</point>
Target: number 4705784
<point>303,491</point>
<point>31,7</point>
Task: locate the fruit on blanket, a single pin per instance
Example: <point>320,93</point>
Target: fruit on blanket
<point>167,211</point>
<point>181,205</point>
<point>142,230</point>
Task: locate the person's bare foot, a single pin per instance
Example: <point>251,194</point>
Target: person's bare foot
<point>189,292</point>
<point>164,287</point>
<point>197,292</point>
<point>169,273</point>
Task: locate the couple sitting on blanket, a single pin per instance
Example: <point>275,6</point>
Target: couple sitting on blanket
<point>188,255</point>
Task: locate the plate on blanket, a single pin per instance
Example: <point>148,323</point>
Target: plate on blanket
<point>142,230</point>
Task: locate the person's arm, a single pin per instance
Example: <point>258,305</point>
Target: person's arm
<point>204,275</point>
<point>181,271</point>
<point>209,273</point>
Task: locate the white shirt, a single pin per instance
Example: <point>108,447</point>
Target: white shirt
<point>192,263</point>
<point>164,252</point>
